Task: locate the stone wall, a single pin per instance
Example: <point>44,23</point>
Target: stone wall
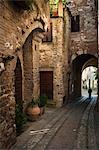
<point>36,77</point>
<point>15,27</point>
<point>83,42</point>
<point>31,67</point>
<point>66,40</point>
<point>28,69</point>
<point>51,57</point>
<point>54,56</point>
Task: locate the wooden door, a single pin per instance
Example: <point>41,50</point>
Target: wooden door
<point>46,83</point>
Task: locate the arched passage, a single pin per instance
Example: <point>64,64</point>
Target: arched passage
<point>18,83</point>
<point>27,66</point>
<point>30,57</point>
<point>78,64</point>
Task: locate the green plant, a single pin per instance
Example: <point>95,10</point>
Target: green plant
<point>33,103</point>
<point>20,118</point>
<point>33,110</point>
<point>43,100</point>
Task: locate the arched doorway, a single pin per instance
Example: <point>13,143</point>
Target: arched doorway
<point>31,66</point>
<point>28,69</point>
<point>78,65</point>
<point>18,83</point>
<point>18,97</point>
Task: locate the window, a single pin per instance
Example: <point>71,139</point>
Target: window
<point>48,34</point>
<point>75,27</point>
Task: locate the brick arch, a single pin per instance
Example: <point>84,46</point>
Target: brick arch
<point>77,67</point>
<point>91,62</point>
<point>14,62</point>
<point>28,65</point>
<point>36,25</point>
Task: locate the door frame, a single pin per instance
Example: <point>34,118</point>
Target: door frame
<point>48,69</point>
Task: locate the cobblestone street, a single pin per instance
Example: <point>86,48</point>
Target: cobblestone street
<point>49,75</point>
<point>68,128</point>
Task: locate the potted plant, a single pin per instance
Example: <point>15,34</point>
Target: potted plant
<point>33,110</point>
<point>42,103</point>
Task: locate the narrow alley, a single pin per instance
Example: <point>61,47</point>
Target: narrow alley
<point>49,75</point>
<point>68,128</point>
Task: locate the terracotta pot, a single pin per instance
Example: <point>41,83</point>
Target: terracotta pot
<point>33,113</point>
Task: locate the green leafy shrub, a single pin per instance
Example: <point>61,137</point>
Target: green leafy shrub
<point>43,100</point>
<point>33,103</point>
<point>20,118</point>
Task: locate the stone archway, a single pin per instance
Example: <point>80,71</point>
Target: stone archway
<point>27,68</point>
<point>18,83</point>
<point>31,65</point>
<point>78,64</point>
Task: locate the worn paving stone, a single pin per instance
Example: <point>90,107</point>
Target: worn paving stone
<point>62,129</point>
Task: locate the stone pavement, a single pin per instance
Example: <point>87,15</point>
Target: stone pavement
<point>28,138</point>
<point>60,129</point>
<point>96,116</point>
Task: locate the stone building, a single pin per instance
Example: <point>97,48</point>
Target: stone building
<point>43,54</point>
<point>54,55</point>
<point>83,42</point>
<point>21,28</point>
<point>73,47</point>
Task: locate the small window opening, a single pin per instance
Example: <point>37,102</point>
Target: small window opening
<point>48,34</point>
<point>35,47</point>
<point>75,26</point>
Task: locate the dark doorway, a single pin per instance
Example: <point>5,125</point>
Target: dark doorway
<point>18,83</point>
<point>19,117</point>
<point>46,83</point>
<point>75,26</point>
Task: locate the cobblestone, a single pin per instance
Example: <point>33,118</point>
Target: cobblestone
<point>61,129</point>
<point>86,135</point>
